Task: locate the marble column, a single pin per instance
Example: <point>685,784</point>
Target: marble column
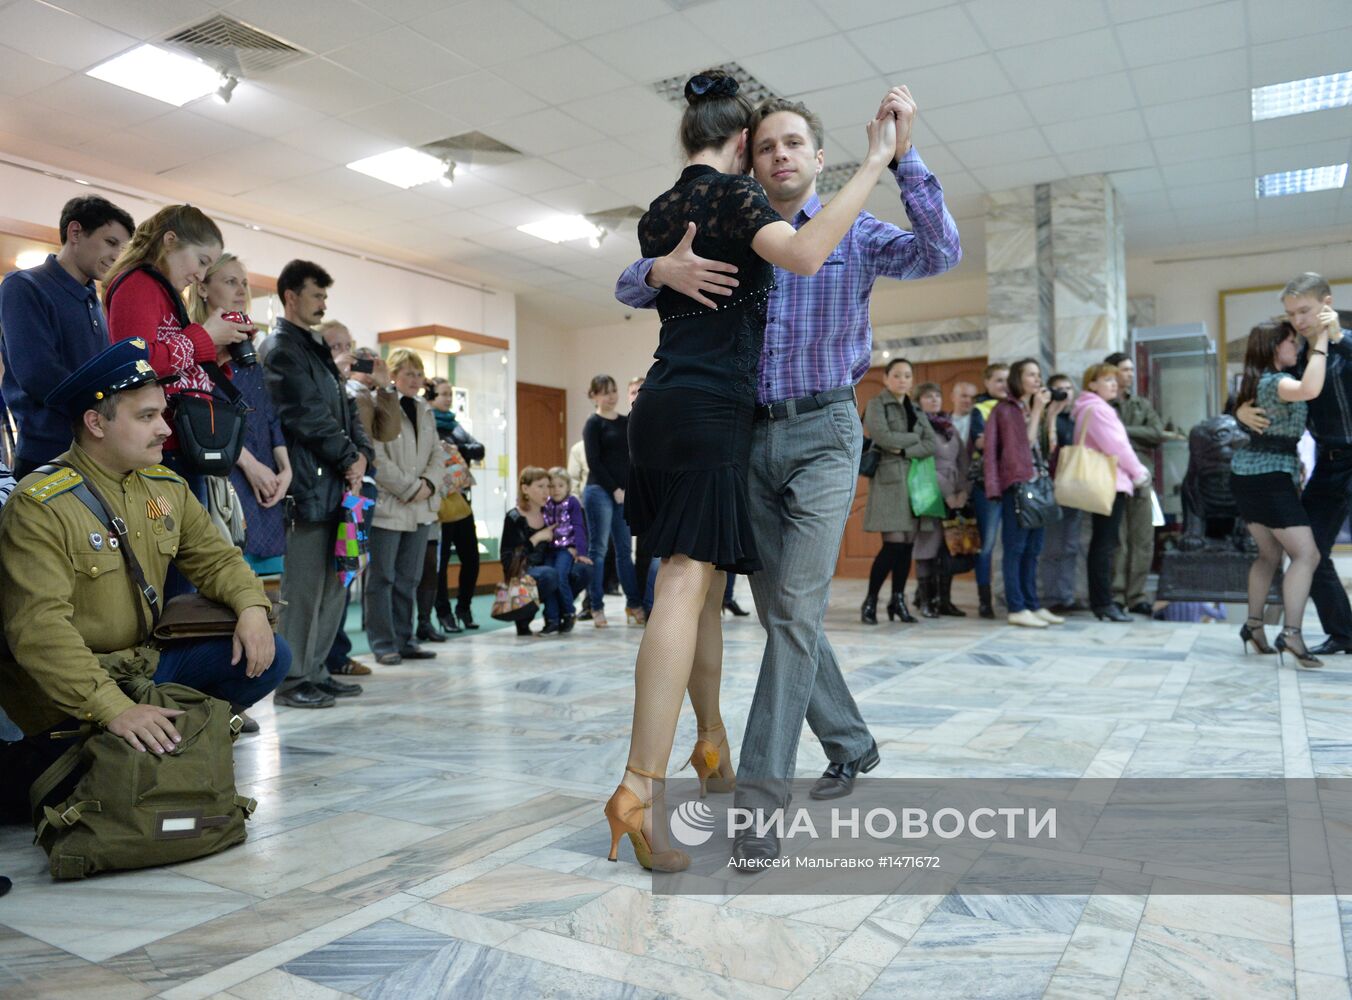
<point>1056,273</point>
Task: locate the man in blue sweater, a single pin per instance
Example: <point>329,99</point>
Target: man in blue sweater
<point>53,323</point>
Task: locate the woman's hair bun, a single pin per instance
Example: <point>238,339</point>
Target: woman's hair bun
<point>704,86</point>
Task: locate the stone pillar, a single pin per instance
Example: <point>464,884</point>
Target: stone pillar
<point>1056,274</point>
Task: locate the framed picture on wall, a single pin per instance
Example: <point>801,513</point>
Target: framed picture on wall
<point>1241,309</point>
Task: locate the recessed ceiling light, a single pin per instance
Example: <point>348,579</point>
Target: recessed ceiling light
<point>562,228</point>
<point>30,258</point>
<point>154,72</point>
<point>1296,97</point>
<point>403,167</point>
<point>1301,181</point>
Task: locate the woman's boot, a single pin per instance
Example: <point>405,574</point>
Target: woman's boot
<point>984,608</point>
<point>945,603</point>
<point>868,613</point>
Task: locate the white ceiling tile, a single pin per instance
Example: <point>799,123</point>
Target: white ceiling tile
<point>940,160</point>
<point>618,110</point>
<point>407,236</point>
<point>583,20</point>
<point>293,197</point>
<point>563,74</point>
<point>353,218</point>
<point>1221,168</point>
<point>1199,114</point>
<point>859,13</point>
<point>461,224</point>
<point>1184,35</point>
<point>1102,130</point>
<point>923,39</point>
<point>509,240</point>
<point>342,185</point>
<point>127,150</point>
<point>1019,173</point>
<point>760,25</point>
<point>56,128</point>
<point>1231,141</point>
<point>221,176</point>
<point>978,118</point>
<point>470,190</point>
<point>1293,18</point>
<point>145,19</point>
<point>955,82</point>
<point>529,176</point>
<point>598,160</point>
<point>1106,159</point>
<point>581,199</point>
<point>402,59</point>
<point>1005,24</point>
<point>843,106</point>
<point>660,144</point>
<point>404,10</point>
<point>488,32</point>
<point>21,74</point>
<point>408,122</point>
<point>400,205</point>
<point>335,140</point>
<point>1298,130</point>
<point>479,99</point>
<point>545,131</point>
<point>1123,11</point>
<point>1316,154</point>
<point>1218,73</point>
<point>1024,144</point>
<point>1298,58</point>
<point>656,49</point>
<point>104,105</point>
<point>1077,57</point>
<point>277,161</point>
<point>640,187</point>
<point>1237,191</point>
<point>50,34</point>
<point>255,110</point>
<point>193,132</point>
<point>326,87</point>
<point>1064,101</point>
<point>1129,182</point>
<point>317,26</point>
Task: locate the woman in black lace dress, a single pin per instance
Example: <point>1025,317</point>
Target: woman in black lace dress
<point>690,436</point>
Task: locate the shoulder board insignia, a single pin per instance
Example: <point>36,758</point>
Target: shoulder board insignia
<point>54,485</point>
<point>161,472</point>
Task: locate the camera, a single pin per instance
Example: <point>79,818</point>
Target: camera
<point>1058,394</point>
<point>364,365</point>
<point>241,352</point>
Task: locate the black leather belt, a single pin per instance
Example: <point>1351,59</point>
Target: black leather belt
<point>804,404</point>
<point>1334,454</point>
<point>1274,444</point>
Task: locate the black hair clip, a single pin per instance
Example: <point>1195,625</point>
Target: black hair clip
<point>710,86</point>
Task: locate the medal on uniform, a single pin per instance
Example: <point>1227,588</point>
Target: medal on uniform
<point>96,541</point>
<point>113,542</point>
<point>158,507</point>
<point>168,523</point>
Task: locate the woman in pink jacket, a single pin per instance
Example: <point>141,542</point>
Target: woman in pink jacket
<point>1098,426</point>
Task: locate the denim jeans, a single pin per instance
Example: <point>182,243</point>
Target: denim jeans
<point>1060,559</point>
<point>547,584</point>
<point>560,605</point>
<point>606,523</point>
<point>988,523</point>
<point>1021,549</point>
<point>204,664</point>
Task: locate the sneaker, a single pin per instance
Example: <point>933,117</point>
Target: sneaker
<point>1048,617</point>
<point>1027,619</point>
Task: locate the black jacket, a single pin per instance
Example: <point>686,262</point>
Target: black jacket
<point>516,532</point>
<point>319,421</point>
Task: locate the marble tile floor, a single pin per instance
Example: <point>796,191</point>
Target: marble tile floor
<point>442,835</point>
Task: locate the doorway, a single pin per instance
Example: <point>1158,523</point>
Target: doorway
<point>540,413</point>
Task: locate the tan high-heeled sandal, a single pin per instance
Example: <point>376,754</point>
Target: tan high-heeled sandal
<point>705,760</point>
<point>624,812</point>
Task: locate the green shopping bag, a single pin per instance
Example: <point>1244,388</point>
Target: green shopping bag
<point>922,484</point>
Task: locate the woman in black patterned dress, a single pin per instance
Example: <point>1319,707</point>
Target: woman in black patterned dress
<point>690,436</point>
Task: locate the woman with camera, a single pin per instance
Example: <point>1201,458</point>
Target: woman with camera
<point>1013,457</point>
<point>1097,426</point>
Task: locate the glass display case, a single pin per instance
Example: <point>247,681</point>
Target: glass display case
<point>1176,370</point>
<point>476,366</point>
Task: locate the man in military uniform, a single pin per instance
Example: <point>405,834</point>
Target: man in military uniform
<point>71,608</point>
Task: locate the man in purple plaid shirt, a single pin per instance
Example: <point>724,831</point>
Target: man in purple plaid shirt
<point>807,437</point>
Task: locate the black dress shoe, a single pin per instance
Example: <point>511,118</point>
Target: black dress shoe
<point>736,609</point>
<point>466,617</point>
<point>838,779</point>
<point>1112,613</point>
<point>427,632</point>
<point>414,653</point>
<point>751,853</point>
<point>551,628</point>
<point>304,695</point>
<point>1330,646</point>
<point>567,624</point>
<point>1142,608</point>
<point>338,689</point>
<point>585,616</point>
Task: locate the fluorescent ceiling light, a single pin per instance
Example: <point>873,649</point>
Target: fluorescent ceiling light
<point>562,228</point>
<point>1296,97</point>
<point>403,167</point>
<point>446,345</point>
<point>163,75</point>
<point>1301,181</point>
<point>30,258</point>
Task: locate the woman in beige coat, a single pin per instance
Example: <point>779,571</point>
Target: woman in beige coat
<point>410,475</point>
<point>900,432</point>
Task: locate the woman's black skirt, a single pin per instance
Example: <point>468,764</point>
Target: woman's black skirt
<point>1269,499</point>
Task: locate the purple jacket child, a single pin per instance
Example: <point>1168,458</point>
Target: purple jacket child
<point>570,525</point>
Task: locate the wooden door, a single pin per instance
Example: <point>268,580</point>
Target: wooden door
<point>858,547</point>
<point>540,426</point>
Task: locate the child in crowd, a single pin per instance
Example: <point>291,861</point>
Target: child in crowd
<point>564,512</point>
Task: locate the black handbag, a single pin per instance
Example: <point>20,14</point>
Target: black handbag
<point>869,459</point>
<point>1035,503</point>
<point>209,426</point>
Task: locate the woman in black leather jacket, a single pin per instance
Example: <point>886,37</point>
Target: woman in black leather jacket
<point>460,535</point>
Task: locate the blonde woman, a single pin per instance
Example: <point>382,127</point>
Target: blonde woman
<point>409,472</point>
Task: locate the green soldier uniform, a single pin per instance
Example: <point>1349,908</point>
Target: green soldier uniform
<point>1136,548</point>
<point>69,599</point>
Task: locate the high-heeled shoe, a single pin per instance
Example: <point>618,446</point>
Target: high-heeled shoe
<point>1301,653</point>
<point>1248,635</point>
<point>706,758</point>
<point>635,616</point>
<point>868,611</point>
<point>624,812</point>
<point>896,608</point>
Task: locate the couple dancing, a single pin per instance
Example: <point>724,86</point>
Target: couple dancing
<point>746,439</point>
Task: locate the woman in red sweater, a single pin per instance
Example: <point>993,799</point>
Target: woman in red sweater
<point>1011,437</point>
<point>142,295</point>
